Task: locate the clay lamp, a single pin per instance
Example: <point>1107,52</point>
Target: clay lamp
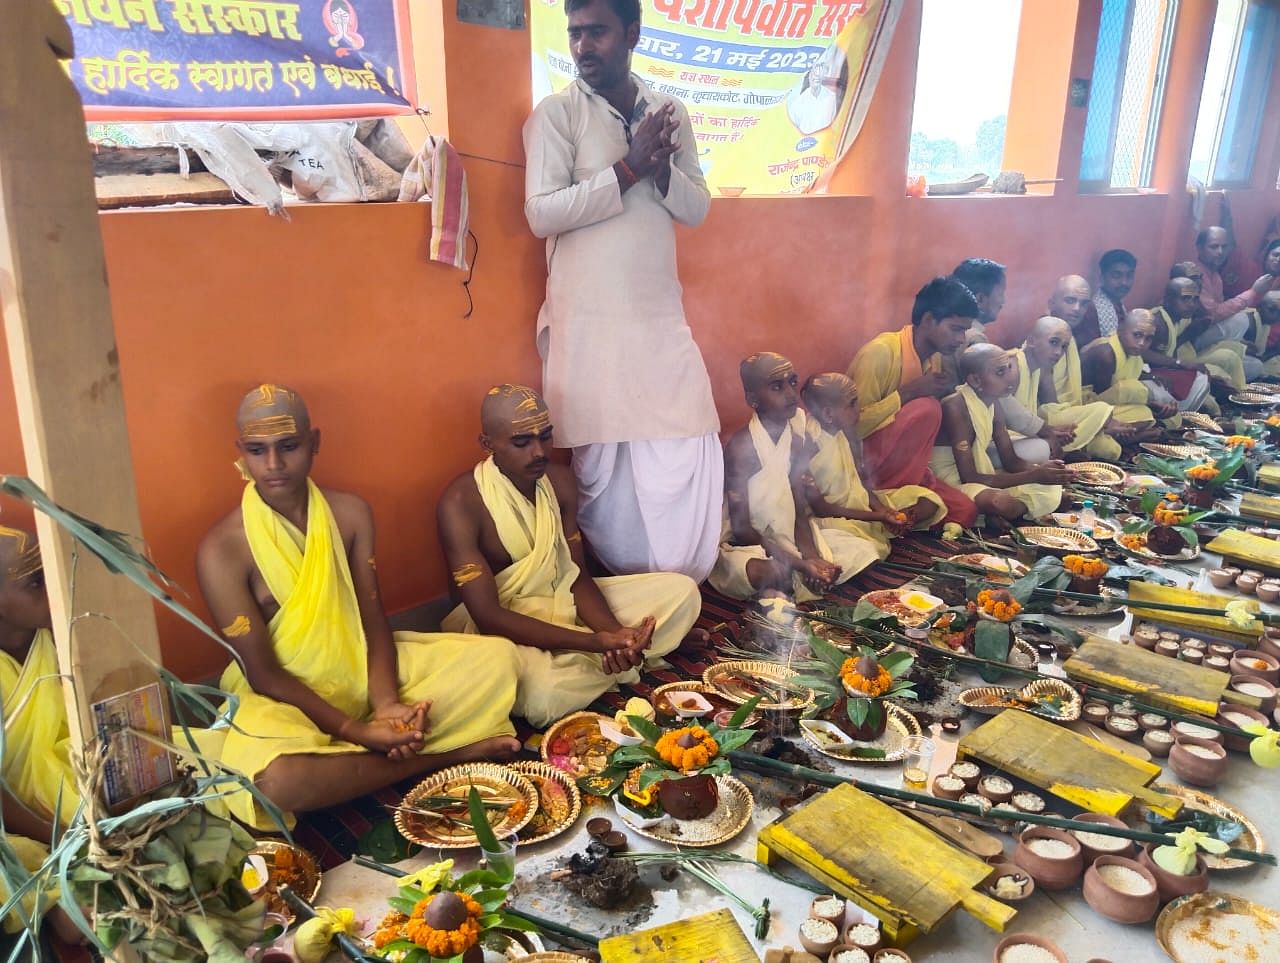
<point>1093,845</point>
<point>1009,883</point>
<point>1121,889</point>
<point>598,826</point>
<point>1200,762</point>
<point>1052,857</point>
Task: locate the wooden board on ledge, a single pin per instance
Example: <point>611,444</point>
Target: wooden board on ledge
<point>911,881</point>
<point>1154,679</point>
<point>1072,767</point>
<point>711,936</point>
<point>1256,551</point>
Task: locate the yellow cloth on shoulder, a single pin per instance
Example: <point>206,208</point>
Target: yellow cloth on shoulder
<point>1126,393</point>
<point>1067,380</point>
<point>1089,419</point>
<point>539,584</point>
<point>879,369</point>
<point>37,736</point>
<point>836,474</point>
<point>1223,360</point>
<point>317,637</point>
<point>773,515</point>
<point>1038,499</point>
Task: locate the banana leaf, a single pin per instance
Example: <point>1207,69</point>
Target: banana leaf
<point>992,640</point>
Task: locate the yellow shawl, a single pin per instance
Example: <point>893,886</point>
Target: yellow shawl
<point>1039,499</point>
<point>1028,393</point>
<point>317,634</point>
<point>879,370</point>
<point>1173,330</point>
<point>37,737</point>
<point>1067,380</point>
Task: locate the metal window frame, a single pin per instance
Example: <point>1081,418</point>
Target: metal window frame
<point>1224,108</point>
<point>1147,168</point>
<point>1122,66</point>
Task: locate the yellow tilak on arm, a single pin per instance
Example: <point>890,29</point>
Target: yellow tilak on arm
<point>239,626</point>
<point>467,573</point>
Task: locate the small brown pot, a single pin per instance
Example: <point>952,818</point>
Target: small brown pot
<point>1096,712</point>
<point>820,947</point>
<point>837,917</point>
<point>948,792</point>
<point>973,774</point>
<point>1019,938</point>
<point>1270,643</point>
<point>891,955</point>
<point>1113,903</point>
<point>1008,869</point>
<point>1241,742</point>
<point>474,955</point>
<point>871,947</point>
<point>693,797</point>
<point>1172,886</point>
<point>1090,853</point>
<point>1195,769</point>
<point>1158,742</point>
<point>1199,497</point>
<point>1049,872</point>
<point>996,794</point>
<point>1267,691</point>
<point>1257,664</point>
<point>869,731</point>
<point>1126,727</point>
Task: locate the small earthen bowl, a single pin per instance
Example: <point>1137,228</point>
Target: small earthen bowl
<point>1152,720</point>
<point>1184,729</point>
<point>997,794</point>
<point>948,791</point>
<point>891,955</point>
<point>1026,938</point>
<point>1220,578</point>
<point>1091,853</point>
<point>1096,712</point>
<point>1231,715</point>
<point>615,842</point>
<point>836,917</point>
<point>1158,742</point>
<point>1257,664</point>
<point>1116,904</point>
<point>1168,647</point>
<point>1268,591</point>
<point>598,826</point>
<point>1008,869</point>
<point>1247,584</point>
<point>1266,691</point>
<point>1172,886</point>
<point>870,947</point>
<point>819,947</point>
<point>1126,727</point>
<point>1194,656</point>
<point>1199,770</point>
<point>846,948</point>
<point>1146,640</point>
<point>971,774</point>
<point>1049,872</point>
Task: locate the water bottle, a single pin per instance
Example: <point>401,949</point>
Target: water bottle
<point>1088,518</point>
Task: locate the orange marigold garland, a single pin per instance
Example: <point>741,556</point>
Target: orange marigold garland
<point>1000,605</point>
<point>687,749</point>
<point>1085,567</point>
<point>1203,473</point>
<point>871,688</point>
<point>1234,440</point>
<point>439,943</point>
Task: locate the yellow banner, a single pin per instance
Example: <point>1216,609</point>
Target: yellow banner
<point>776,89</point>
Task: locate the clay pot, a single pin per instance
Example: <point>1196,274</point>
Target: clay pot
<point>1096,712</point>
<point>1124,708</point>
<point>1146,639</point>
<point>891,955</point>
<point>1222,649</point>
<point>1256,664</point>
<point>845,947</point>
<point>1126,727</point>
<point>1265,691</point>
<point>875,942</point>
<point>1168,647</point>
<point>1192,730</point>
<point>692,797</point>
<point>1198,497</point>
<point>1049,872</point>
<point>1170,885</point>
<point>867,732</point>
<point>1113,903</point>
<point>1091,853</point>
<point>1233,569</point>
<point>1247,584</point>
<point>1150,720</point>
<point>1220,578</point>
<point>1194,656</point>
<point>1008,869</point>
<point>1193,643</point>
<point>1217,663</point>
<point>835,916</point>
<point>1269,644</point>
<point>1085,586</point>
<point>968,773</point>
<point>1021,938</point>
<point>1268,591</point>
<point>1195,769</point>
<point>820,947</point>
<point>998,794</point>
<point>615,841</point>
<point>474,955</point>
<point>598,827</point>
<point>1158,742</point>
<point>1229,714</point>
<point>1255,572</point>
<point>947,792</point>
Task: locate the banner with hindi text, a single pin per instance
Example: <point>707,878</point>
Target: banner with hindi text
<point>158,60</point>
<point>776,89</point>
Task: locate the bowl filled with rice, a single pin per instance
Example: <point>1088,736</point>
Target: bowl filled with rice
<point>1121,890</point>
<point>1025,948</point>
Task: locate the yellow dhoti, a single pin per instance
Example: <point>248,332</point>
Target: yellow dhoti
<point>539,583</point>
<point>1089,419</point>
<point>773,515</point>
<point>318,637</point>
<point>1038,499</point>
<point>37,766</point>
<point>836,474</point>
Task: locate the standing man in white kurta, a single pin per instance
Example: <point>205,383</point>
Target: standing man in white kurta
<point>611,165</point>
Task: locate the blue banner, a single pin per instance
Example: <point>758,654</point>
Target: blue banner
<point>240,59</point>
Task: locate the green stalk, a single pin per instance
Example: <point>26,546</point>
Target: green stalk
<point>717,856</point>
<point>304,911</point>
<point>763,764</point>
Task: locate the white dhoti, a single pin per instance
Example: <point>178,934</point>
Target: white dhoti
<point>652,506</point>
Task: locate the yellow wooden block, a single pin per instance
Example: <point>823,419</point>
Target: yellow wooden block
<point>1255,550</point>
<point>1269,475</point>
<point>710,938</point>
<point>1217,625</point>
<point>1266,507</point>
<point>1155,679</point>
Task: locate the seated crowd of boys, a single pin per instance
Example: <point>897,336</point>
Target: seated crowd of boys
<point>931,423</point>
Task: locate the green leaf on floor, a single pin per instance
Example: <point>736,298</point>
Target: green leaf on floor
<point>385,844</point>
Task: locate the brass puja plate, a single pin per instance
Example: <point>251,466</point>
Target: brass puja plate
<point>1057,539</point>
<point>452,829</point>
<point>997,567</point>
<point>662,704</point>
<point>559,801</point>
<point>1198,419</point>
<point>1175,451</point>
<point>1252,399</point>
<point>900,726</point>
<point>1199,927</point>
<point>1259,388</point>
<point>1251,839</point>
<point>576,745</point>
<point>730,817</point>
<point>1099,473</point>
<point>990,699</point>
<point>741,681</point>
<point>287,864</point>
<point>1103,528</point>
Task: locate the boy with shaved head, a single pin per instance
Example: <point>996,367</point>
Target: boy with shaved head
<point>839,499</point>
<point>771,542</point>
<point>1092,424</point>
<point>332,705</point>
<point>510,534</point>
<point>972,421</point>
<point>1112,372</point>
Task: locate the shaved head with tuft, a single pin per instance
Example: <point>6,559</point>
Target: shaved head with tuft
<point>269,411</point>
<point>513,410</point>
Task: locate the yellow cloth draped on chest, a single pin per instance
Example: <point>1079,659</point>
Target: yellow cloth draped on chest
<point>1038,499</point>
<point>836,474</point>
<point>539,584</point>
<point>318,637</point>
<point>1223,360</point>
<point>1089,420</point>
<point>882,366</point>
<point>1126,393</point>
<point>37,736</point>
<point>772,507</point>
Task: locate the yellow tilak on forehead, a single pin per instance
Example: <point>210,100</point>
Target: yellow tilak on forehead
<point>781,370</point>
<point>26,553</point>
<point>270,395</point>
<point>270,427</point>
<point>534,425</point>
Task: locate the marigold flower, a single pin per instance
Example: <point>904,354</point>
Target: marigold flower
<point>1000,605</point>
<point>1085,567</point>
<point>687,758</point>
<point>868,687</point>
<point>1245,440</point>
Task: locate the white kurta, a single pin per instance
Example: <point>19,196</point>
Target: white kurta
<point>619,361</point>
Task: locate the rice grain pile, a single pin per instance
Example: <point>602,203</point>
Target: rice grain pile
<point>1028,802</point>
<point>851,956</point>
<point>1211,937</point>
<point>1097,841</point>
<point>1051,848</point>
<point>997,784</point>
<point>1204,752</point>
<point>829,907</point>
<point>1125,880</point>
<point>820,931</point>
<point>864,934</point>
<point>1027,953</point>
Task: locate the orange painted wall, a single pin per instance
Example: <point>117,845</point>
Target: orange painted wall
<point>340,302</point>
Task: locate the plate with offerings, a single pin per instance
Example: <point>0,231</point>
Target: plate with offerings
<point>435,812</point>
<point>891,746</point>
<point>285,865</point>
<point>661,699</point>
<point>1135,543</point>
<point>1196,801</point>
<point>1174,451</point>
<point>559,801</point>
<point>909,606</point>
<point>1198,419</point>
<point>849,639</point>
<point>1103,528</point>
<point>576,745</point>
<point>1098,473</point>
<point>1047,698</point>
<point>1252,399</point>
<point>1057,539</point>
<point>734,807</point>
<point>1213,926</point>
<point>742,681</point>
<point>1080,608</point>
<point>997,568</point>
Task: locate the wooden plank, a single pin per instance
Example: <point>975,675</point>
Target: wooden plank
<point>889,864</point>
<point>1256,551</point>
<point>711,936</point>
<point>1156,679</point>
<point>152,190</point>
<point>109,160</point>
<point>1218,626</point>
<point>66,372</point>
<point>1072,767</point>
<point>1266,507</point>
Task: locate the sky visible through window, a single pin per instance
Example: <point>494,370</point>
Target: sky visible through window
<point>963,82</point>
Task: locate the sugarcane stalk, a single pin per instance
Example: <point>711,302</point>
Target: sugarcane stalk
<point>565,933</point>
<point>304,911</point>
<point>763,764</point>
